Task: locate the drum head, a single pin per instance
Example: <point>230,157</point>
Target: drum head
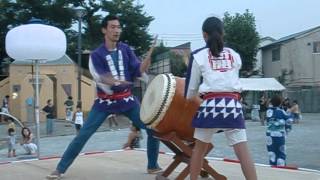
<point>157,99</point>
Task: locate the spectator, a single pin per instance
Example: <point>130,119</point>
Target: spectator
<point>11,124</point>
<point>295,111</point>
<point>278,126</point>
<point>27,141</point>
<point>11,142</point>
<point>263,108</point>
<point>78,119</point>
<point>49,110</point>
<point>286,104</point>
<point>5,104</point>
<point>69,108</point>
<point>246,108</point>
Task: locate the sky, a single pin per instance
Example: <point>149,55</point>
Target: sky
<point>180,21</point>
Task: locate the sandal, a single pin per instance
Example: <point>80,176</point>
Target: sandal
<point>55,175</point>
<point>154,171</point>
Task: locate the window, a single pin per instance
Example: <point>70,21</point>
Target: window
<point>316,47</point>
<point>276,54</point>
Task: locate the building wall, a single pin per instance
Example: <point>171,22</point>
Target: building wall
<point>296,57</point>
<point>303,61</point>
<point>21,81</point>
<point>185,53</point>
<point>302,78</point>
<point>4,88</point>
<point>308,97</point>
<point>264,42</point>
<point>65,75</point>
<point>271,68</point>
<point>88,93</point>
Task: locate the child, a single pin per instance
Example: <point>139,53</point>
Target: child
<point>69,108</point>
<point>78,119</point>
<point>213,72</point>
<point>26,143</point>
<point>11,143</point>
<point>295,111</point>
<point>278,125</point>
<point>286,105</point>
<point>11,124</point>
<point>133,138</point>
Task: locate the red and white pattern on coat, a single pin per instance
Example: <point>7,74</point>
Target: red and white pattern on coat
<point>222,63</point>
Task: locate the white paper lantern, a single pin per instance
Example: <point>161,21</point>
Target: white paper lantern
<point>35,42</point>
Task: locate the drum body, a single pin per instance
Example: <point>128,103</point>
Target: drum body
<point>165,109</point>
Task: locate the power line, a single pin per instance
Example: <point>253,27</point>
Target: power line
<point>177,34</point>
<point>181,39</point>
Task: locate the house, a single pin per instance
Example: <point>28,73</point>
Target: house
<point>163,64</point>
<point>263,42</point>
<point>183,50</point>
<point>252,97</point>
<point>58,80</point>
<point>295,60</point>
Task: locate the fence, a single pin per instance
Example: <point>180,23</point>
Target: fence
<point>308,98</point>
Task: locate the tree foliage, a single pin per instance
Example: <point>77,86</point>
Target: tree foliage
<point>241,35</point>
<point>14,13</point>
<point>60,13</point>
<point>177,65</point>
<point>135,23</point>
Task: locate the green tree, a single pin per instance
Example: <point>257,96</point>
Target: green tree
<point>241,35</point>
<point>177,65</point>
<point>135,23</point>
<point>14,13</point>
<point>59,13</point>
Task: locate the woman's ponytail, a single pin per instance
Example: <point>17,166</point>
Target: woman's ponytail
<point>214,28</point>
<point>215,43</point>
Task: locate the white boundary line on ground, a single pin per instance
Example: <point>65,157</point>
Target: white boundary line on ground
<point>237,161</point>
<point>161,152</point>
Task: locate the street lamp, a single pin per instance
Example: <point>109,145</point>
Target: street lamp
<point>28,43</point>
<point>80,12</point>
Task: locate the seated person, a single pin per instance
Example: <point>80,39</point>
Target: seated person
<point>27,142</point>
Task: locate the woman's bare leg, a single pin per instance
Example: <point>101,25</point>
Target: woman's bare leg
<point>198,153</point>
<point>242,152</point>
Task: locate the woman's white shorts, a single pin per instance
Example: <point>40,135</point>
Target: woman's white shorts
<point>234,136</point>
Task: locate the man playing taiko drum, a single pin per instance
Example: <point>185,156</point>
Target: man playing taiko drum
<point>114,66</point>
